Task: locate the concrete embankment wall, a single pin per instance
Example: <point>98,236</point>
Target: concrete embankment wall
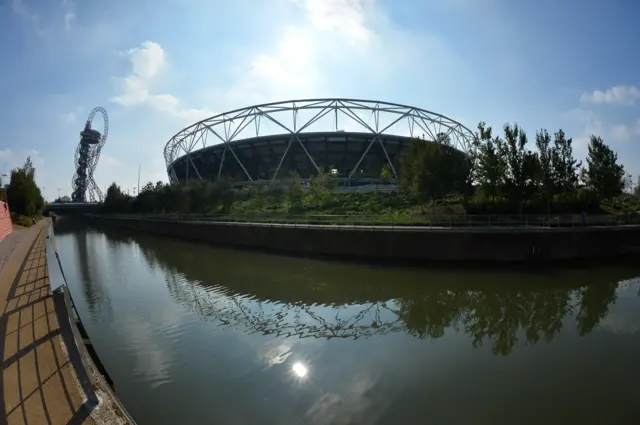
<point>502,245</point>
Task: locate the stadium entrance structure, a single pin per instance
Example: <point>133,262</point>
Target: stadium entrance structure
<point>352,139</point>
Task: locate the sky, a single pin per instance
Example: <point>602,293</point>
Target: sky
<point>158,66</point>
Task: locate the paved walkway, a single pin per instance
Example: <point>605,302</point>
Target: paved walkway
<point>39,384</point>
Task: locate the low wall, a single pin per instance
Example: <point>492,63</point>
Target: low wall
<point>6,225</point>
<point>502,245</point>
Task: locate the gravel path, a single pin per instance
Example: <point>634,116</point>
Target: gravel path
<point>9,244</point>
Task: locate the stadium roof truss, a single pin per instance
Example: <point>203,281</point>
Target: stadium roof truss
<point>295,117</point>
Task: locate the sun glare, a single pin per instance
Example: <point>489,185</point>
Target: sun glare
<point>300,370</point>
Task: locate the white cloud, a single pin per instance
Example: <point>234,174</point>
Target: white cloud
<point>618,95</point>
<point>148,62</point>
<point>10,159</point>
<point>69,14</point>
<point>347,17</point>
<point>109,161</point>
<point>303,61</point>
<point>290,70</point>
<point>45,24</point>
<point>21,9</point>
<point>620,132</point>
<point>588,118</point>
<point>68,116</point>
<point>636,130</point>
<point>5,154</point>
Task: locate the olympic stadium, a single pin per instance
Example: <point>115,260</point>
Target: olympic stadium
<point>352,139</point>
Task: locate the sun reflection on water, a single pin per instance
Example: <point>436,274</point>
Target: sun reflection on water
<point>300,370</point>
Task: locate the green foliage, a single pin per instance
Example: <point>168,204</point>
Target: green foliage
<point>603,174</point>
<point>23,193</point>
<point>512,178</point>
<point>294,193</point>
<point>491,165</point>
<point>522,166</point>
<point>565,167</point>
<point>320,193</point>
<point>499,175</point>
<point>386,174</point>
<point>196,196</point>
<point>430,171</point>
<point>115,200</point>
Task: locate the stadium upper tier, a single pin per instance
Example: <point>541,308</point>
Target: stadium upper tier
<point>271,141</point>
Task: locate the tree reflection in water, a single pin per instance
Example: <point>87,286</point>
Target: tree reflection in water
<point>499,318</point>
<point>293,297</point>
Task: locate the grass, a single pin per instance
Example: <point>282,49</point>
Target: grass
<point>380,207</point>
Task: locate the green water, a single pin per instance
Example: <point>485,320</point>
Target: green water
<point>193,334</point>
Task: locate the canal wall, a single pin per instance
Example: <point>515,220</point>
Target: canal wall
<point>408,244</point>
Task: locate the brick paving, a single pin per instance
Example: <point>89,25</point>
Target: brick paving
<point>38,382</point>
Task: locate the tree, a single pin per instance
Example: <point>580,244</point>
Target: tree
<point>321,188</point>
<point>546,170</point>
<point>294,193</point>
<point>565,167</point>
<point>386,174</point>
<point>521,163</point>
<point>491,166</point>
<point>603,174</point>
<point>23,193</point>
<point>429,171</point>
<point>115,201</point>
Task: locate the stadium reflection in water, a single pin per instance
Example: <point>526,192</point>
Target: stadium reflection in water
<point>195,334</point>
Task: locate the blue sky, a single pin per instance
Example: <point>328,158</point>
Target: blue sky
<point>160,65</point>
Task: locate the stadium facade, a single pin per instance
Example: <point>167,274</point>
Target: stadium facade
<point>352,139</point>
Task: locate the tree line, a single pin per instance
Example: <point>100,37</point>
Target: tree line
<point>219,196</point>
<point>502,173</point>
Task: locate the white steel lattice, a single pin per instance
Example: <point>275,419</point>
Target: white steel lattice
<point>293,119</point>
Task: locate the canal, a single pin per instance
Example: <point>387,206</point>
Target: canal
<point>198,335</point>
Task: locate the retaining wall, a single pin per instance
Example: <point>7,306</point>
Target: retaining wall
<point>6,225</point>
<point>501,245</point>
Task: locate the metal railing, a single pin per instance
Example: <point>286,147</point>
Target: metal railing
<point>69,319</point>
<point>403,221</point>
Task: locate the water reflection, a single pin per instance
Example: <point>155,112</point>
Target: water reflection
<point>196,334</point>
<point>286,297</point>
<point>93,293</point>
<point>300,370</point>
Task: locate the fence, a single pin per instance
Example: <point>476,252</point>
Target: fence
<point>442,221</point>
